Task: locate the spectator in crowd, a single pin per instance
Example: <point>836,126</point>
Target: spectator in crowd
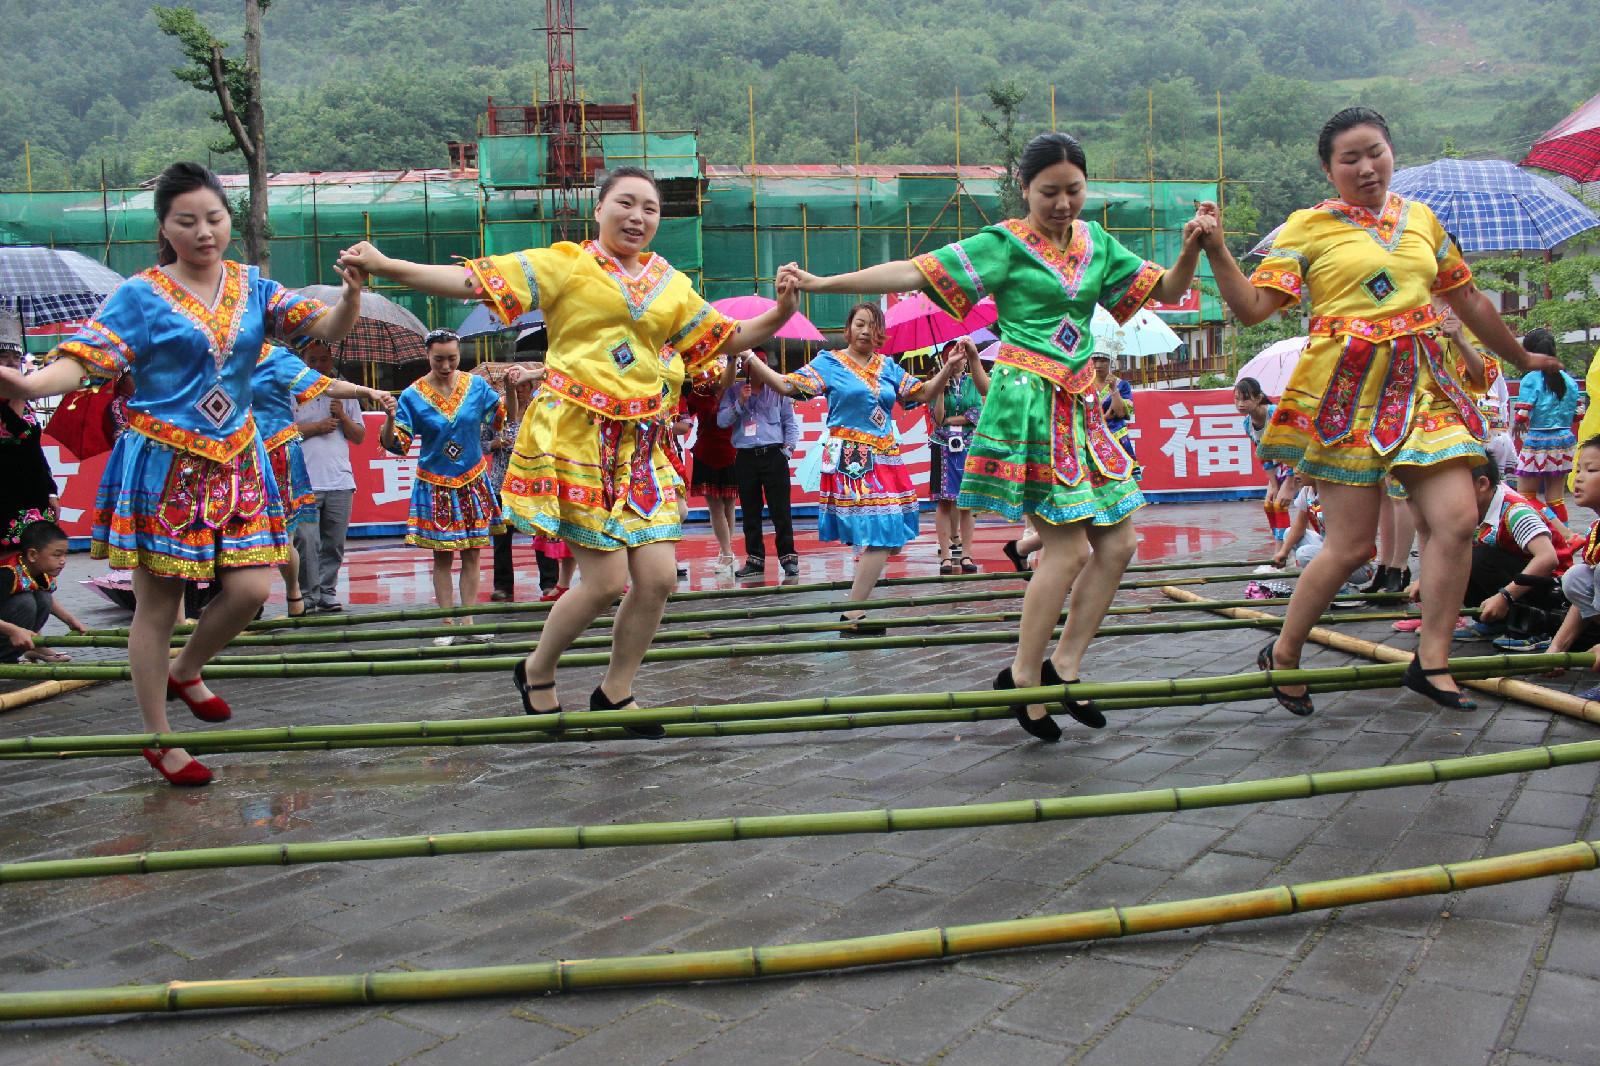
<point>327,428</point>
<point>765,435</point>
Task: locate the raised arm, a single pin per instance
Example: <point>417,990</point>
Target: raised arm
<point>934,386</point>
<point>898,276</point>
<point>1480,316</point>
<point>760,371</point>
<point>62,375</point>
<point>975,367</point>
<point>336,325</point>
<point>1249,304</point>
<point>754,332</point>
<point>445,280</point>
<point>1174,284</point>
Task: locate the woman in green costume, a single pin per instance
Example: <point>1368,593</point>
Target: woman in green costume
<point>1041,446</point>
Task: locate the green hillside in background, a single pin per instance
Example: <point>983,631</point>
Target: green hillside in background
<point>369,84</point>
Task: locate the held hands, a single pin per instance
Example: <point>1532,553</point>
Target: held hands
<point>788,292</point>
<point>967,349</point>
<point>383,400</point>
<point>363,256</point>
<point>800,279</point>
<point>354,279</point>
<point>1205,229</point>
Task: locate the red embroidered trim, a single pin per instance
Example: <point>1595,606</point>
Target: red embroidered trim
<point>185,440</point>
<point>1591,546</point>
<point>1053,371</point>
<point>1455,277</point>
<point>1138,291</point>
<point>1375,330</point>
<point>641,291</point>
<point>446,482</point>
<point>221,324</point>
<point>317,387</point>
<point>1069,264</point>
<point>1393,415</point>
<point>883,445</point>
<point>1283,280</point>
<point>599,402</point>
<point>706,347</point>
<point>944,284</point>
<point>282,437</point>
<point>493,288</point>
<point>445,405</point>
<point>110,361</point>
<point>868,375</point>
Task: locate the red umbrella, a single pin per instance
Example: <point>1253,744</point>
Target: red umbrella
<point>1572,147</point>
<point>798,328</point>
<point>915,322</point>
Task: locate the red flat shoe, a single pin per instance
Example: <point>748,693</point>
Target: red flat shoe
<point>214,709</point>
<point>192,774</point>
<point>554,594</point>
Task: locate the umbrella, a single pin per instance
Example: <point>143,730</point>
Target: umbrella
<point>1493,205</point>
<point>45,285</point>
<point>482,323</point>
<point>916,322</point>
<point>385,332</point>
<point>1572,146</point>
<point>1143,335</point>
<point>798,328</point>
<point>1274,365</point>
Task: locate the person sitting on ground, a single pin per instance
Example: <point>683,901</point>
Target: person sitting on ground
<point>27,582</point>
<point>1516,556</point>
<point>1579,584</point>
<point>1306,530</point>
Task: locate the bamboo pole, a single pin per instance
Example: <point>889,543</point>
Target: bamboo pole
<point>569,975</point>
<point>834,823</point>
<point>1156,690</point>
<point>1536,695</point>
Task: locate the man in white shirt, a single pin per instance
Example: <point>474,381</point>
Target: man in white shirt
<point>329,428</point>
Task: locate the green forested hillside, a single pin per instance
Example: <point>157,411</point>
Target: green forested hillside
<point>383,83</point>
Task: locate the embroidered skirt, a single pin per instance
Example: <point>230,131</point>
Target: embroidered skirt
<point>443,518</point>
<point>1353,409</point>
<point>552,547</point>
<point>589,480</point>
<point>866,500</point>
<point>716,481</point>
<point>945,468</point>
<point>288,464</point>
<point>1546,453</point>
<point>177,514</point>
<point>1045,452</point>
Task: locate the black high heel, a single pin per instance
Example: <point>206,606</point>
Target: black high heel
<point>598,701</point>
<point>519,677</point>
<point>1378,581</point>
<point>1416,679</point>
<point>1082,711</point>
<point>1300,705</point>
<point>1044,728</point>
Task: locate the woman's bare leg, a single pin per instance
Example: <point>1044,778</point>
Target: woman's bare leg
<point>1112,548</point>
<point>605,573</point>
<point>1062,557</point>
<point>942,512</point>
<point>470,577</point>
<point>1443,497</point>
<point>652,575</point>
<point>868,569</point>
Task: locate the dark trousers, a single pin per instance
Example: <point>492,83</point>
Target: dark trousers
<point>29,610</point>
<point>1492,570</point>
<point>505,577</point>
<point>764,472</point>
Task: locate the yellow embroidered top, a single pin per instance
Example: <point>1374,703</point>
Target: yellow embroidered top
<point>1364,275</point>
<point>606,328</point>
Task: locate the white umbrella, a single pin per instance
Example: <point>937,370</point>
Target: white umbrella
<point>1274,365</point>
<point>1143,335</point>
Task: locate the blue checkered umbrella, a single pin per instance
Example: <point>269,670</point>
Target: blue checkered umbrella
<point>46,285</point>
<point>1492,205</point>
<point>482,322</point>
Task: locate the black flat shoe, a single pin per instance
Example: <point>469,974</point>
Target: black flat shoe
<point>859,626</point>
<point>1044,728</point>
<point>1377,582</point>
<point>1416,679</point>
<point>647,730</point>
<point>1017,560</point>
<point>1397,580</point>
<point>519,677</point>
<point>1082,711</point>
<point>1300,705</point>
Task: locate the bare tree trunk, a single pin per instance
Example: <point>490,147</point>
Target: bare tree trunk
<point>257,250</point>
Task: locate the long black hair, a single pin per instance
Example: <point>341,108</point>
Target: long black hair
<point>1346,120</point>
<point>1541,341</point>
<point>628,171</point>
<point>173,181</point>
<point>1249,389</point>
<point>1045,151</point>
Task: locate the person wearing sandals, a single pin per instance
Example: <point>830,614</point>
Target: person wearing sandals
<point>186,491</point>
<point>589,467</point>
<point>953,415</point>
<point>1041,447</point>
<point>280,379</point>
<point>1373,394</point>
<point>453,510</point>
<point>866,498</point>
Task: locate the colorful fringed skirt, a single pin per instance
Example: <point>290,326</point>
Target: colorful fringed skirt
<point>288,464</point>
<point>1045,451</point>
<point>1353,409</point>
<point>713,481</point>
<point>178,514</point>
<point>1546,453</point>
<point>449,514</point>
<point>866,498</point>
<point>585,479</point>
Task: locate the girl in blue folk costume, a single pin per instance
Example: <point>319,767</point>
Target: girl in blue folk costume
<point>452,507</point>
<point>1041,448</point>
<point>866,496</point>
<point>185,493</point>
<point>281,377</point>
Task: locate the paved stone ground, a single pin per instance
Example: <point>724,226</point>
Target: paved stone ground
<point>1507,975</point>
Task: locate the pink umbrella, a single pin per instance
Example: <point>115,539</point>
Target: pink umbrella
<point>798,328</point>
<point>916,322</point>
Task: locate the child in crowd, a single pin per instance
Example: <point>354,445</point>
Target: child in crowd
<point>1306,531</point>
<point>26,583</point>
<point>1257,408</point>
<point>1579,585</point>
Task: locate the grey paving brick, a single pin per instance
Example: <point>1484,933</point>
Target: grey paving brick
<point>1353,963</point>
<point>1559,1020</point>
<point>507,1041</point>
<point>785,1032</point>
<point>1212,989</point>
<point>1293,1028</point>
<point>1484,956</point>
<point>941,1013</point>
<point>1079,1000</point>
<point>1412,1035</point>
<point>1141,1040</point>
<point>654,1035</point>
<point>847,880</point>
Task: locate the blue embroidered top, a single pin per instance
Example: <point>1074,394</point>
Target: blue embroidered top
<point>860,398</point>
<point>280,377</point>
<point>452,446</point>
<point>191,363</point>
<point>1541,408</point>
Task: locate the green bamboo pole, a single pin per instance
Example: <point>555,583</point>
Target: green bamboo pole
<point>571,975</point>
<point>1488,665</point>
<point>835,823</point>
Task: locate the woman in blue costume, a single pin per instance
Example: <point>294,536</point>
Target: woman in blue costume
<point>279,378</point>
<point>452,507</point>
<point>185,492</point>
<point>1041,448</point>
<point>867,499</point>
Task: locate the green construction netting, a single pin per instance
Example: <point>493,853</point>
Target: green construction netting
<point>520,161</point>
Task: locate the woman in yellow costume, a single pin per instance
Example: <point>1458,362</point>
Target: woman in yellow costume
<point>589,466</point>
<point>1374,393</point>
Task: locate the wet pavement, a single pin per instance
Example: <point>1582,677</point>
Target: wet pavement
<point>1506,975</point>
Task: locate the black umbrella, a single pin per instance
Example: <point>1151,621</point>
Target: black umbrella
<point>45,285</point>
